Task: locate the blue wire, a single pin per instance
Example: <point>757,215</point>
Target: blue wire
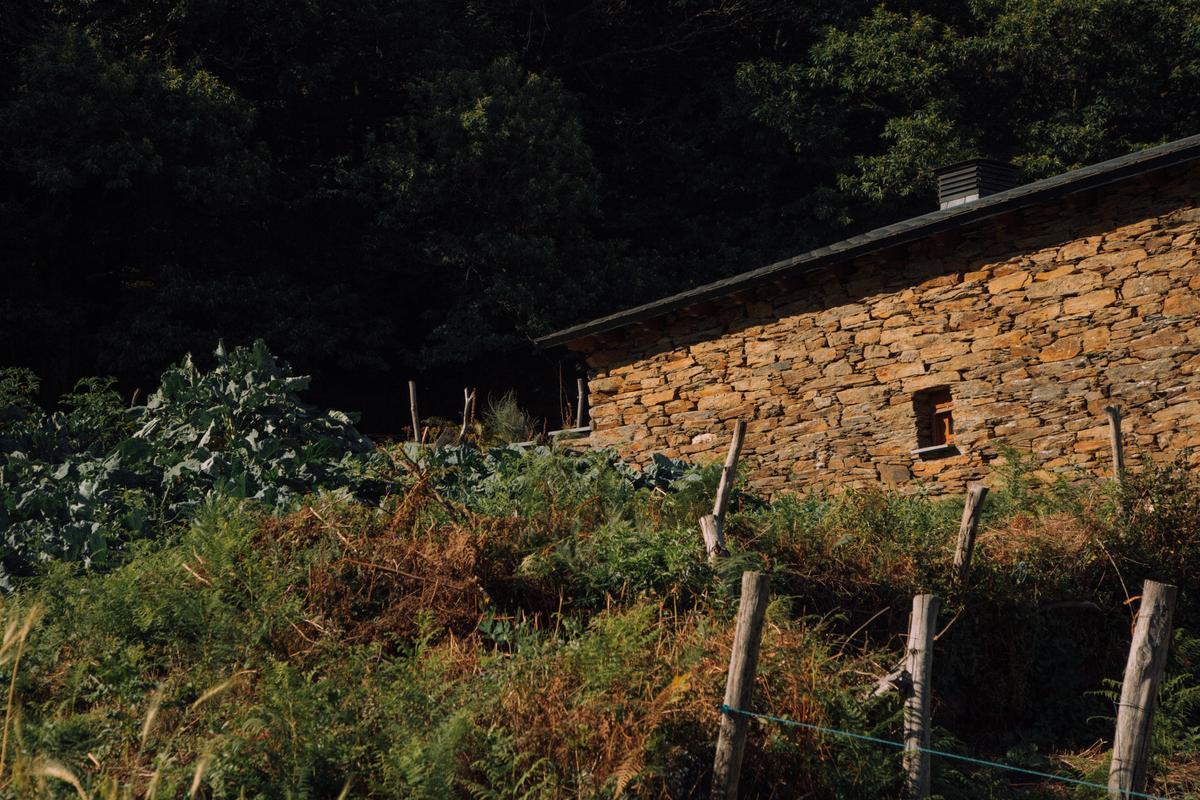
<point>725,709</point>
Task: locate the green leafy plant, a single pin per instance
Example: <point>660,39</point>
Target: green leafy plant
<point>80,484</point>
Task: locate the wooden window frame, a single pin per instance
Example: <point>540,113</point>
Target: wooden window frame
<point>942,423</point>
<point>934,412</point>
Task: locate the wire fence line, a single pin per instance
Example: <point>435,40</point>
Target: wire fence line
<point>726,709</point>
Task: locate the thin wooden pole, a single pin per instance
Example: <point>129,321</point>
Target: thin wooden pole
<point>712,526</point>
<point>919,663</point>
<point>412,405</point>
<point>725,487</point>
<point>468,396</point>
<point>1139,689</point>
<point>579,401</point>
<point>976,492</point>
<point>739,685</point>
<point>1114,435</point>
<point>564,410</point>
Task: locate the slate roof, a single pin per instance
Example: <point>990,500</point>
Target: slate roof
<point>1096,175</point>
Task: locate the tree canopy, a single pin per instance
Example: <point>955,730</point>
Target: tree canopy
<point>386,189</point>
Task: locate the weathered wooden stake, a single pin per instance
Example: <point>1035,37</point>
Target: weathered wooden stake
<point>412,404</point>
<point>468,396</point>
<point>1114,435</point>
<point>579,401</point>
<point>919,663</point>
<point>976,492</point>
<point>725,487</point>
<point>712,526</point>
<point>739,685</point>
<point>1139,689</point>
<point>714,539</point>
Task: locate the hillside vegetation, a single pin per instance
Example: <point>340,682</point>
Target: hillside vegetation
<point>226,593</point>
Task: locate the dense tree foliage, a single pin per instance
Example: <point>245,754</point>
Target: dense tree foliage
<point>384,189</point>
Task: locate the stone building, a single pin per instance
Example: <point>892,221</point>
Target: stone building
<point>910,353</point>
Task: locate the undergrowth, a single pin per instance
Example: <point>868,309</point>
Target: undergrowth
<point>562,635</point>
<point>540,624</point>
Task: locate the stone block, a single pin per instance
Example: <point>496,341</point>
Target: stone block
<point>896,371</point>
<point>822,355</point>
<point>1172,259</point>
<point>657,398</point>
<point>1146,285</point>
<point>721,401</point>
<point>1009,283</point>
<point>838,369</point>
<point>1075,283</point>
<point>1090,302</point>
<point>1096,340</point>
<point>1167,338</point>
<point>1184,304</point>
<point>863,394</point>
<point>604,385</point>
<point>867,336</point>
<point>1080,249</point>
<point>1055,272</point>
<point>1118,258</point>
<point>894,475</point>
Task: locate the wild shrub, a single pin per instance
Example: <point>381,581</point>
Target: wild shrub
<point>553,488</point>
<point>1151,521</point>
<point>1020,485</point>
<point>368,577</point>
<point>505,422</point>
<point>620,561</point>
<point>863,547</point>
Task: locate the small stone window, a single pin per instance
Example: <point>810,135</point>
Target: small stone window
<point>934,411</point>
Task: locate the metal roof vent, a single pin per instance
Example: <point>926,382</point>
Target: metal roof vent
<point>970,180</point>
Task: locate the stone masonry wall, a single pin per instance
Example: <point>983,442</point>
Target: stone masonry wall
<point>1035,321</point>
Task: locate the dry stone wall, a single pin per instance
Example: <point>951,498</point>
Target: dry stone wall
<point>1035,322</point>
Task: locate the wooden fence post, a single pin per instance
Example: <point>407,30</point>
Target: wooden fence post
<point>739,685</point>
<point>1139,689</point>
<point>412,405</point>
<point>580,398</point>
<point>919,663</point>
<point>972,507</point>
<point>712,526</point>
<point>714,539</point>
<point>1114,435</point>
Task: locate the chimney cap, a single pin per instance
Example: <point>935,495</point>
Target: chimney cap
<point>972,179</point>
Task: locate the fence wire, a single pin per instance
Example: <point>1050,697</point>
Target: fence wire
<point>725,709</point>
